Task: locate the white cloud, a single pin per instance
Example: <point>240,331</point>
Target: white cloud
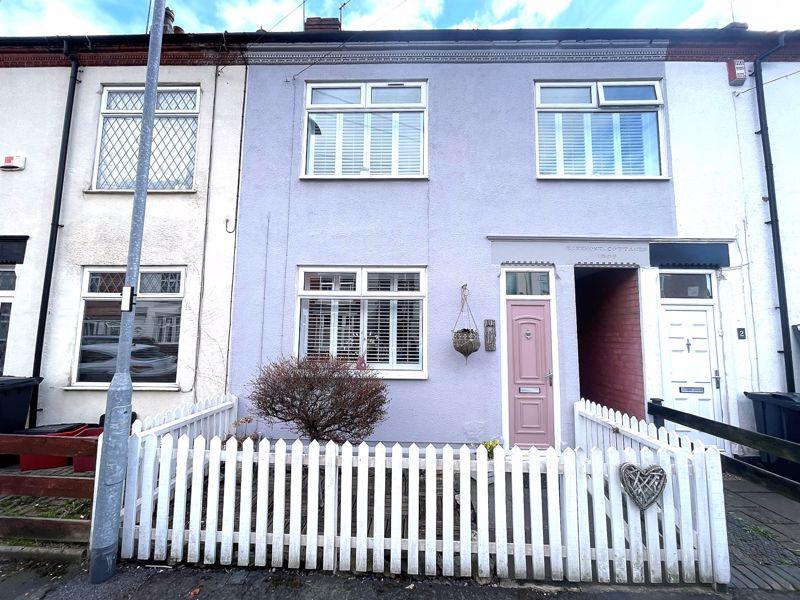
<point>249,15</point>
<point>392,14</point>
<point>763,15</point>
<point>513,14</point>
<point>59,17</point>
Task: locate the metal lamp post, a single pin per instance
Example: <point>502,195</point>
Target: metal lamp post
<point>114,457</point>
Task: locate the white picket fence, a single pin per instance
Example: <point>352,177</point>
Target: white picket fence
<point>597,426</point>
<point>208,418</point>
<point>531,514</point>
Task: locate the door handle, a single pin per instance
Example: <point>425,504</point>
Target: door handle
<point>716,378</point>
<point>550,378</point>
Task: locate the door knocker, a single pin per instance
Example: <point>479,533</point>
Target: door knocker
<point>528,334</point>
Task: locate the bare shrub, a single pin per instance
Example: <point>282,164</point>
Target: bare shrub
<point>323,399</point>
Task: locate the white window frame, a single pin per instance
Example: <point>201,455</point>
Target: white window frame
<point>86,295</point>
<point>566,84</point>
<point>711,273</point>
<point>600,105</point>
<point>601,95</point>
<point>104,112</point>
<point>361,293</point>
<point>366,106</point>
<point>7,297</point>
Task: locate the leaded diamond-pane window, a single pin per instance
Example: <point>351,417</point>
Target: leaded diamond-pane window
<point>174,146</point>
<point>106,282</point>
<point>160,282</point>
<point>157,326</point>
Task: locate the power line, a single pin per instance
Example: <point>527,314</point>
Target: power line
<point>327,54</point>
<point>286,16</point>
<point>739,93</point>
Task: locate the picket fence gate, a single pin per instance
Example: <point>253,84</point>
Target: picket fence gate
<point>214,416</point>
<point>533,514</point>
<point>599,426</point>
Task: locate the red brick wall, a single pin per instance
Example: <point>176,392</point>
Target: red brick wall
<point>610,340</point>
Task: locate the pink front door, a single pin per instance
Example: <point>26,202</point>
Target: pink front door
<point>530,368</point>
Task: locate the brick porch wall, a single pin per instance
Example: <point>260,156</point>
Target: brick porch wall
<point>610,340</point>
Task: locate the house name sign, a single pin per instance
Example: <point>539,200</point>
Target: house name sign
<point>569,252</point>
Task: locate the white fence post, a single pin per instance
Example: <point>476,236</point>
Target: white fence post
<point>678,538</point>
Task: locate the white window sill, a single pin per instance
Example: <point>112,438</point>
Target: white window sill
<point>363,178</point>
<point>603,178</point>
<point>401,374</point>
<point>130,192</point>
<point>103,387</point>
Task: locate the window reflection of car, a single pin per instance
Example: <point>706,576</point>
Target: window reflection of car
<point>98,362</point>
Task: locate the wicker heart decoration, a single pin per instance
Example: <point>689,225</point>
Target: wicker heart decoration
<point>644,486</point>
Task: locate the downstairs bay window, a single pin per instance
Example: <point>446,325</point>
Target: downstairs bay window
<point>369,312</point>
<point>599,130</point>
<point>365,130</point>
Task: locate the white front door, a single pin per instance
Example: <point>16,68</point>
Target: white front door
<point>690,367</point>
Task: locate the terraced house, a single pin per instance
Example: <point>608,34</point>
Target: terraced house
<point>72,109</point>
<point>598,192</point>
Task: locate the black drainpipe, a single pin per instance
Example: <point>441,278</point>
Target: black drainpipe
<point>773,216</point>
<point>54,227</point>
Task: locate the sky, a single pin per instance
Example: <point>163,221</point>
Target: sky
<point>76,17</point>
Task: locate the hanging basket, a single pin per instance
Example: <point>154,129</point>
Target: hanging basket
<point>466,341</point>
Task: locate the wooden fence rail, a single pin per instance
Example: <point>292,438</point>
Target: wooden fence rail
<point>524,514</point>
<point>51,486</point>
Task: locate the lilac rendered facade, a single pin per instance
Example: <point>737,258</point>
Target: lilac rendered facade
<point>491,170</point>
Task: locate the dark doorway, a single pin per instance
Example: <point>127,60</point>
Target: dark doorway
<point>610,338</point>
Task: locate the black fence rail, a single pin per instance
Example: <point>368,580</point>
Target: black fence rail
<point>752,439</point>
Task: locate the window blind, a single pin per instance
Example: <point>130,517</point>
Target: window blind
<point>365,143</point>
<point>598,143</point>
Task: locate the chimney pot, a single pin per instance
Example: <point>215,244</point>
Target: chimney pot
<point>322,24</point>
<point>169,19</point>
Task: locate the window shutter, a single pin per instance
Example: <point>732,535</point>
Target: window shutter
<point>322,144</point>
<point>630,130</point>
<point>380,148</point>
<point>409,318</point>
<point>548,161</point>
<point>348,329</point>
<point>352,143</point>
<point>409,151</point>
<point>639,140</point>
<point>574,143</point>
<point>318,328</point>
<point>379,317</point>
<point>603,144</point>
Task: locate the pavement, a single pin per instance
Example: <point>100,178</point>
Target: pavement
<point>763,536</point>
<point>32,580</point>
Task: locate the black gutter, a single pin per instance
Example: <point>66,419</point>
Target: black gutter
<point>704,36</point>
<point>54,227</point>
<point>773,215</point>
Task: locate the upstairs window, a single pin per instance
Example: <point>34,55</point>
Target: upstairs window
<point>369,312</point>
<point>363,130</point>
<point>609,129</point>
<point>174,147</point>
